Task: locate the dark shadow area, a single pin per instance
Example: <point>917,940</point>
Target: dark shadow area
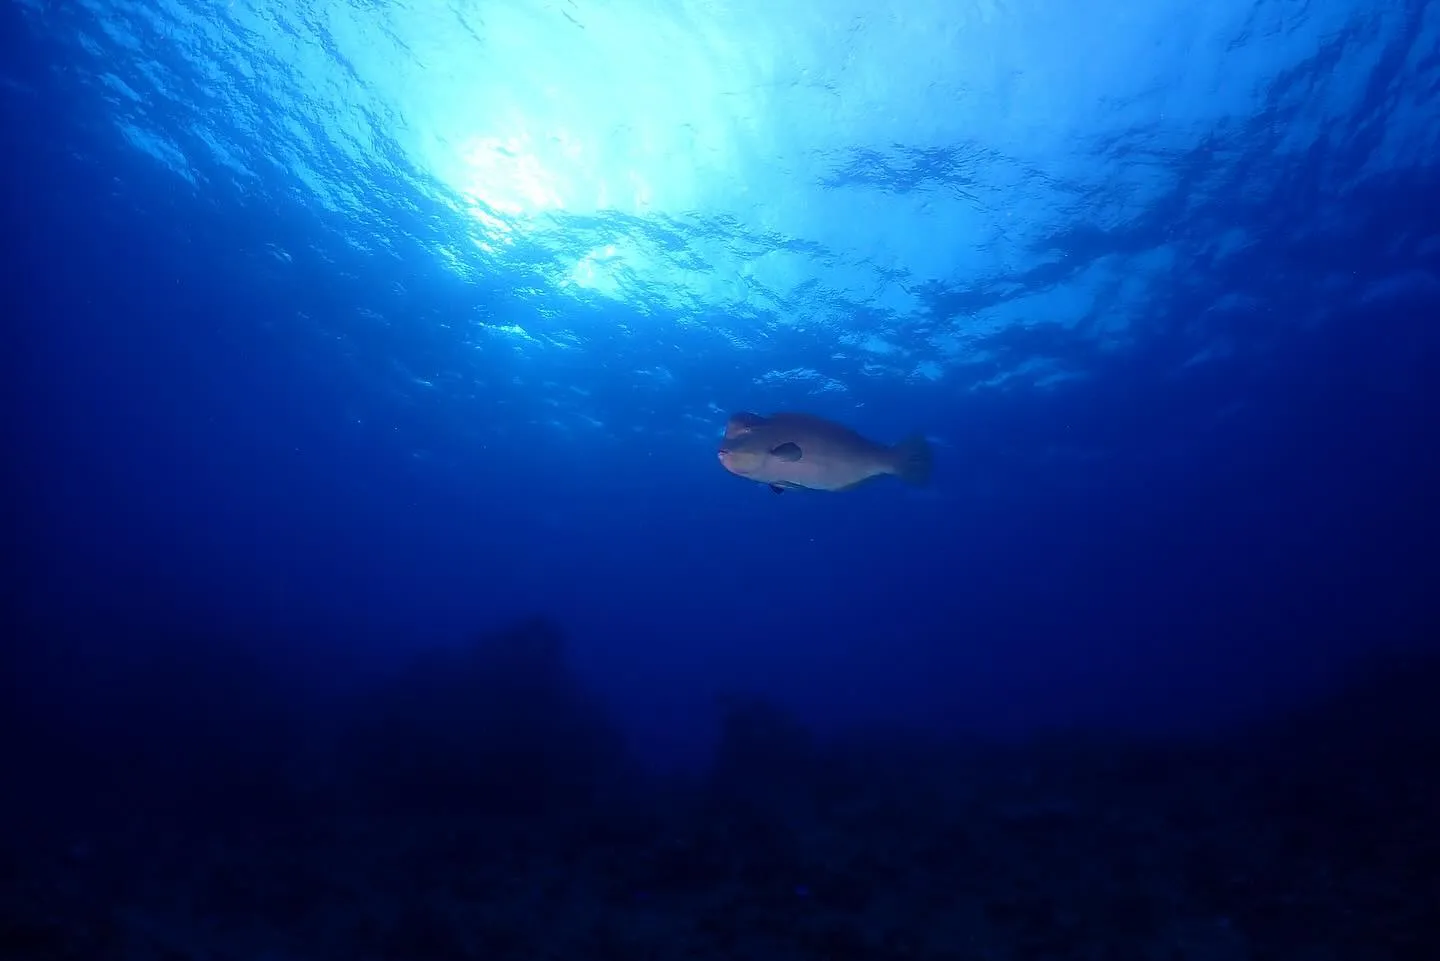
<point>475,801</point>
<point>496,728</point>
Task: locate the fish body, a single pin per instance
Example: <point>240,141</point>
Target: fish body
<point>790,450</point>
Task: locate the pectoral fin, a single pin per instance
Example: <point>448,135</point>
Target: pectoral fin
<point>777,488</point>
<point>787,452</point>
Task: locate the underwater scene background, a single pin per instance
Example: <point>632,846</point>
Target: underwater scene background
<point>376,591</point>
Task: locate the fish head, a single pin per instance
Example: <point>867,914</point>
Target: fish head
<point>743,424</point>
<point>744,463</point>
<point>743,450</point>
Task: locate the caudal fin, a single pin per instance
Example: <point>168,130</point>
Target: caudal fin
<point>912,460</point>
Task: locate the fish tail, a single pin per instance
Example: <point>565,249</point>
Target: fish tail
<point>911,460</point>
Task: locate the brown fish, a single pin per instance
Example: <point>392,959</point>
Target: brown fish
<point>809,452</point>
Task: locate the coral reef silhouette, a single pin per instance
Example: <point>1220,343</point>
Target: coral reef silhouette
<point>476,802</point>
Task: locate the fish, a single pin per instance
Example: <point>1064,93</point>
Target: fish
<point>791,451</point>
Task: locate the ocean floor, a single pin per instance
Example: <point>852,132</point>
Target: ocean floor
<point>1312,838</point>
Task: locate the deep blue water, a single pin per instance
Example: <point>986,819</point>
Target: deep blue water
<point>339,330</point>
<point>384,325</point>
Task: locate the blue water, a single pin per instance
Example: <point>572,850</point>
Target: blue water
<point>341,331</point>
